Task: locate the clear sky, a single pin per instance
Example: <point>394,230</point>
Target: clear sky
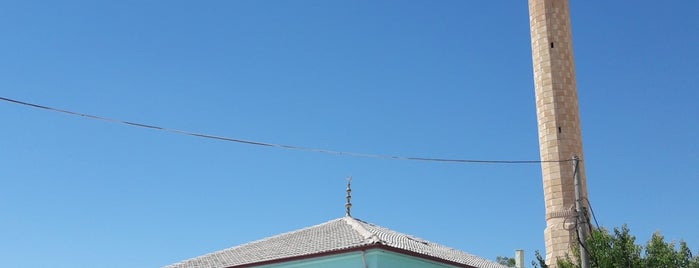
<point>447,79</point>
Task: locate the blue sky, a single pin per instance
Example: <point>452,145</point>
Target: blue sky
<point>448,79</point>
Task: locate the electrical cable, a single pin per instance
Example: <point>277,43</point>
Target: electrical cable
<point>565,222</point>
<point>577,235</point>
<point>589,225</point>
<point>592,211</point>
<point>282,146</point>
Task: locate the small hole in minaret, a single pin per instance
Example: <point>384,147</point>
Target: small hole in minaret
<point>551,44</point>
<point>559,129</point>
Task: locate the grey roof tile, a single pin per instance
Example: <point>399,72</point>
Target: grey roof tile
<point>335,235</point>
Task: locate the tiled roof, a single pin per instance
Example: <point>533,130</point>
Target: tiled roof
<point>337,235</point>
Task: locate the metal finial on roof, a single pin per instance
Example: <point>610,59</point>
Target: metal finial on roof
<point>348,205</point>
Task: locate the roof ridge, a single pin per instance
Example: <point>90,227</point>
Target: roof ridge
<point>282,234</point>
<point>338,235</point>
<point>357,226</point>
<point>476,261</point>
<point>250,243</point>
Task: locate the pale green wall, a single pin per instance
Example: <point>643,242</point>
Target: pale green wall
<point>375,258</point>
<point>387,259</point>
<point>347,260</point>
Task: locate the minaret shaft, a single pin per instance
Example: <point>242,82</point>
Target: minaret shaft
<point>558,120</point>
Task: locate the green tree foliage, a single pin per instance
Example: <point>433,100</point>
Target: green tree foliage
<point>618,249</point>
<point>509,262</point>
<point>540,261</point>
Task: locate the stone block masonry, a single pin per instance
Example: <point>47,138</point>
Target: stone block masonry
<point>558,120</point>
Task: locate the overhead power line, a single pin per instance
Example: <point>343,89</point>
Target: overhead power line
<point>281,146</point>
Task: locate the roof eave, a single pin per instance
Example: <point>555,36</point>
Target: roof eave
<point>354,249</point>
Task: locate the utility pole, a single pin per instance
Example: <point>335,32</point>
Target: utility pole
<point>581,217</point>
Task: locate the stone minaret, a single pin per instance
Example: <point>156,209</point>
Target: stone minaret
<point>558,120</point>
